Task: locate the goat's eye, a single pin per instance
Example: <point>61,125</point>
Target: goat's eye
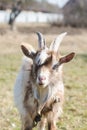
<point>47,61</point>
<point>55,66</point>
<point>36,68</point>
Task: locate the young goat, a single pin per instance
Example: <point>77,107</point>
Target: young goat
<point>39,89</point>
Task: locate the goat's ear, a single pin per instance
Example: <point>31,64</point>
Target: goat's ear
<point>66,58</point>
<point>29,52</point>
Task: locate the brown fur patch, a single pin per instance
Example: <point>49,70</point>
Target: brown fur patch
<point>28,91</point>
<point>30,103</point>
<point>59,99</point>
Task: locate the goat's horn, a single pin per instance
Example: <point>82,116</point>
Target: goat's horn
<point>41,40</point>
<point>56,43</point>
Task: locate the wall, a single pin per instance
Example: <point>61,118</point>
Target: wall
<point>27,16</point>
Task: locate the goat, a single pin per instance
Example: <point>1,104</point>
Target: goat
<point>39,89</point>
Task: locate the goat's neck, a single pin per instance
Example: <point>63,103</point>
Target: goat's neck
<point>43,94</point>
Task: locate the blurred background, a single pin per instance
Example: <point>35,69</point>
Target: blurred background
<point>61,13</point>
<point>19,20</point>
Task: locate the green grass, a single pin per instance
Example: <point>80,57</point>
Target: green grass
<point>75,107</point>
<point>9,64</point>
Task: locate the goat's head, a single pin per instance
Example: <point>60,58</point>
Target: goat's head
<point>46,61</point>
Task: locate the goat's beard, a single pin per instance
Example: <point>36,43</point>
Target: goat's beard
<point>43,93</point>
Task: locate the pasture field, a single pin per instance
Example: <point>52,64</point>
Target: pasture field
<point>75,74</point>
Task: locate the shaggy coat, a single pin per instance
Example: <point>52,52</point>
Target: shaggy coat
<point>39,89</point>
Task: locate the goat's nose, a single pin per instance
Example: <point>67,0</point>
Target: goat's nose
<point>42,78</point>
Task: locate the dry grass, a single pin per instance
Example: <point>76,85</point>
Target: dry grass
<point>75,75</point>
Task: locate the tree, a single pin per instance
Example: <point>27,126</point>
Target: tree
<point>16,10</point>
<point>17,7</point>
<point>75,13</point>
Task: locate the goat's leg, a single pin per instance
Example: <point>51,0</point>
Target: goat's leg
<point>52,119</point>
<point>27,123</point>
<point>52,125</point>
<point>42,124</point>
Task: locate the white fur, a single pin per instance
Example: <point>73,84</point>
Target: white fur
<point>41,57</point>
<point>21,82</point>
<point>42,94</point>
<point>43,74</point>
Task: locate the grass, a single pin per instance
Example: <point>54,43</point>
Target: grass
<point>8,71</point>
<point>75,80</point>
<point>75,112</point>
